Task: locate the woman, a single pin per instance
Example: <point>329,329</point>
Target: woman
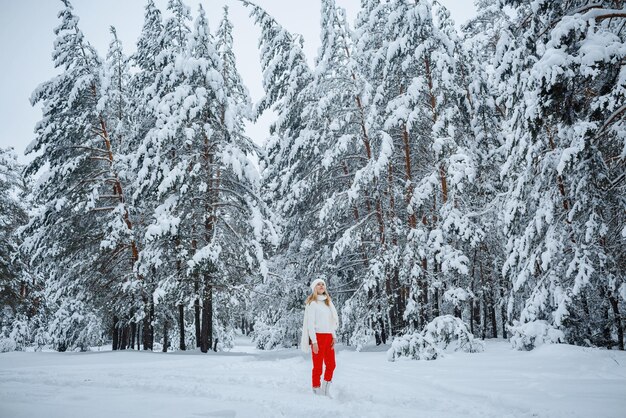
<point>318,335</point>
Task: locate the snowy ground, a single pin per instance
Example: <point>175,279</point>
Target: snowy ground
<point>552,381</point>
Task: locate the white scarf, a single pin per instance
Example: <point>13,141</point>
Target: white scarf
<point>304,341</point>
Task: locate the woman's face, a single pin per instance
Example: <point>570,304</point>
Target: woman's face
<point>320,288</point>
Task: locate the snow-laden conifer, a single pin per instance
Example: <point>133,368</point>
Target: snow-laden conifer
<point>208,188</point>
<point>81,236</point>
<point>419,98</point>
<point>564,82</point>
<point>480,297</point>
<point>287,162</point>
<point>21,315</point>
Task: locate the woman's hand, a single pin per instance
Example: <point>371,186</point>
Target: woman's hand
<point>332,344</point>
<point>315,348</point>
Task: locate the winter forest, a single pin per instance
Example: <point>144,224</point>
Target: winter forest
<point>447,184</point>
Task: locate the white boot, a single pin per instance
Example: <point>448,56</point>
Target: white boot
<point>326,388</point>
<point>318,391</point>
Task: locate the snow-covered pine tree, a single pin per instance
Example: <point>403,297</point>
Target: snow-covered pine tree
<point>484,296</point>
<point>159,48</point>
<point>81,237</point>
<point>420,99</point>
<point>564,82</point>
<point>209,188</point>
<point>352,156</point>
<point>18,289</point>
<point>115,105</point>
<point>235,303</point>
<point>319,131</point>
<point>287,164</point>
<point>12,216</point>
<point>369,53</point>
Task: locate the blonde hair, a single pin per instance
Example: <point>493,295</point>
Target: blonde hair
<point>313,296</point>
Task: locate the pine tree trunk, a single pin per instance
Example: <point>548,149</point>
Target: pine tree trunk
<point>435,298</point>
<point>377,337</point>
<point>166,342</point>
<point>124,338</point>
<point>618,321</point>
<point>206,337</point>
<point>400,303</point>
<point>587,317</point>
<point>503,315</point>
<point>383,331</point>
<point>151,326</point>
<point>492,315</point>
<point>412,220</point>
<point>133,332</point>
<point>471,317</point>
<point>196,309</point>
<point>471,302</point>
<point>423,295</point>
<point>484,296</point>
<point>476,313</point>
<point>390,298</point>
<point>148,332</point>
<point>115,334</point>
<point>606,330</point>
<point>181,325</point>
<point>484,317</point>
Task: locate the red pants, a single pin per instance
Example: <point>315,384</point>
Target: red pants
<point>326,355</point>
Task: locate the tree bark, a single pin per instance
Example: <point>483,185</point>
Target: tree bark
<point>196,308</point>
<point>503,314</point>
<point>492,314</point>
<point>181,325</point>
<point>206,338</point>
<point>504,322</point>
<point>435,298</point>
<point>383,331</point>
<point>423,295</point>
<point>618,321</point>
<point>166,342</point>
<point>148,332</point>
<point>477,312</point>
<point>115,334</point>
<point>133,332</point>
<point>483,292</point>
<point>124,337</point>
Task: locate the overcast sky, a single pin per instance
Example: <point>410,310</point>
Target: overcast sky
<point>26,39</point>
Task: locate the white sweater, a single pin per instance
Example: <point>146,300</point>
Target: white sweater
<point>320,318</point>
